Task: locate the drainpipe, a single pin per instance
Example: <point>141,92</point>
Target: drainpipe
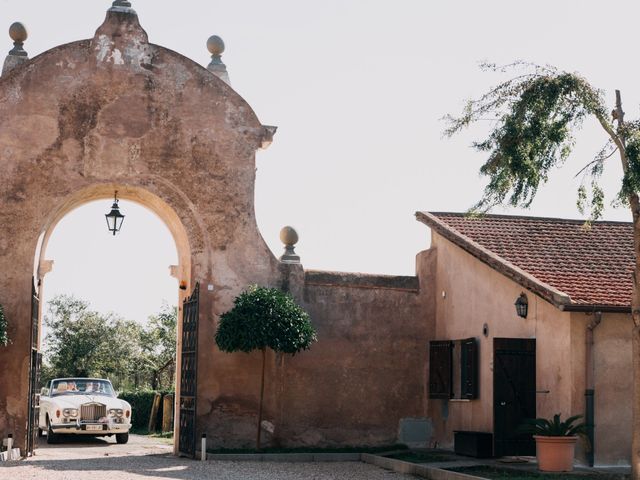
<point>590,384</point>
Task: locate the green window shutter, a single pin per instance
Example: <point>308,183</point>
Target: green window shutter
<point>440,361</point>
<point>469,368</point>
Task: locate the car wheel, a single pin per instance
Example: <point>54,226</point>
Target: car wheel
<point>51,437</point>
<point>122,438</point>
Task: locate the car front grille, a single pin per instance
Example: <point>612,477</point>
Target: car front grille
<point>92,411</point>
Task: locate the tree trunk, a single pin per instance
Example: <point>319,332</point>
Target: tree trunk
<point>634,203</point>
<point>264,355</point>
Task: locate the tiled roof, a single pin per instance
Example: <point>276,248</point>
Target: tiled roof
<point>555,258</point>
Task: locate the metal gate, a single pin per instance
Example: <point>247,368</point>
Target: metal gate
<point>514,394</point>
<point>189,374</point>
<point>34,373</point>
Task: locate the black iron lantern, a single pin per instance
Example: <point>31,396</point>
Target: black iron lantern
<point>114,218</point>
<point>522,306</point>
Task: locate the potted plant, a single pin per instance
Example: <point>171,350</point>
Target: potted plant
<point>555,441</point>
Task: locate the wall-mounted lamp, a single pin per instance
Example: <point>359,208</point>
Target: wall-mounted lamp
<point>522,306</point>
<point>114,218</point>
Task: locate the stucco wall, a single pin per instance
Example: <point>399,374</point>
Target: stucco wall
<point>476,294</point>
<point>469,294</point>
<point>115,112</point>
<point>613,389</point>
<point>367,370</point>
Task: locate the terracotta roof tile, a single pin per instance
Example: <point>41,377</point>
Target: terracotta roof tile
<point>593,266</point>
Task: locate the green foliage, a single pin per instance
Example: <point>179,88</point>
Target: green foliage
<point>141,403</point>
<point>631,179</point>
<point>82,342</point>
<point>4,337</point>
<point>535,117</point>
<point>85,343</point>
<point>265,318</point>
<point>554,427</point>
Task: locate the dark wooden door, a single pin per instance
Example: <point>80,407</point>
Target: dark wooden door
<point>189,374</point>
<point>514,394</point>
<point>34,373</point>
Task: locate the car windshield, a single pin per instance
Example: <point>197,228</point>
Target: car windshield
<point>81,386</point>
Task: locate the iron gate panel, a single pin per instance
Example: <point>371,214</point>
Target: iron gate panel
<point>35,363</point>
<point>189,374</point>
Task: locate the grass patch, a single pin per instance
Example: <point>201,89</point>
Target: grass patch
<point>424,457</point>
<point>384,448</point>
<point>497,473</point>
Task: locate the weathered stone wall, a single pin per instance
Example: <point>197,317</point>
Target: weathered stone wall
<point>367,371</point>
<point>115,112</point>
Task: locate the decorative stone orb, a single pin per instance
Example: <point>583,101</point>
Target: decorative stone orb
<point>215,45</point>
<point>289,236</point>
<point>18,32</point>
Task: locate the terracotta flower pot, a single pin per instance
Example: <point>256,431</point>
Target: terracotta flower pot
<point>555,454</point>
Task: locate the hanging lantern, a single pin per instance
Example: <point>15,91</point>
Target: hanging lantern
<point>114,218</point>
<point>522,306</point>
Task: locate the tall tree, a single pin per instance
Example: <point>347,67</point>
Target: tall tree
<point>264,318</point>
<point>82,342</point>
<point>158,341</point>
<point>536,116</point>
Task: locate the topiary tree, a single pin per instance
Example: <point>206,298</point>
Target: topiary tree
<point>536,114</point>
<point>4,337</point>
<point>264,318</point>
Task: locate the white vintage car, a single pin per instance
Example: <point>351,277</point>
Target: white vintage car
<point>86,406</point>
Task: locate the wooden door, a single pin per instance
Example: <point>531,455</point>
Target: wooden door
<point>514,394</point>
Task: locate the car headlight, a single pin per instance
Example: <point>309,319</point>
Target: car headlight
<point>116,412</point>
<point>70,412</point>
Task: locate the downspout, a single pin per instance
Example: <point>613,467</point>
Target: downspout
<point>590,386</point>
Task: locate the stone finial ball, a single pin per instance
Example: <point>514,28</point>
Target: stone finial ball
<point>289,236</point>
<point>18,32</point>
<point>215,45</point>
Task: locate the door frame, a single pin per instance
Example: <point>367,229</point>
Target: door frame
<point>524,391</point>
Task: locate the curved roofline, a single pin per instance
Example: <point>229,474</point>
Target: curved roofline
<point>38,58</point>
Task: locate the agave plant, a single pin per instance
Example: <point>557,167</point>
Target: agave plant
<point>554,427</point>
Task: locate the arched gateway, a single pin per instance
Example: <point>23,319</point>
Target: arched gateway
<point>118,113</point>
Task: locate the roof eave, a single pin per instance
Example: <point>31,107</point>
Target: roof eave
<point>560,299</point>
<point>574,307</point>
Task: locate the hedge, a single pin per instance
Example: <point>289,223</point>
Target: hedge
<point>141,404</point>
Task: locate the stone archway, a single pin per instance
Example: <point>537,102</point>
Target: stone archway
<point>116,112</point>
<point>181,271</point>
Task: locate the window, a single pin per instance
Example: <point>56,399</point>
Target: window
<point>453,369</point>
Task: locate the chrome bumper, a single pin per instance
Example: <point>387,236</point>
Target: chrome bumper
<point>77,427</point>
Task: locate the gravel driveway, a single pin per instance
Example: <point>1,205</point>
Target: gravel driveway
<point>143,458</point>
